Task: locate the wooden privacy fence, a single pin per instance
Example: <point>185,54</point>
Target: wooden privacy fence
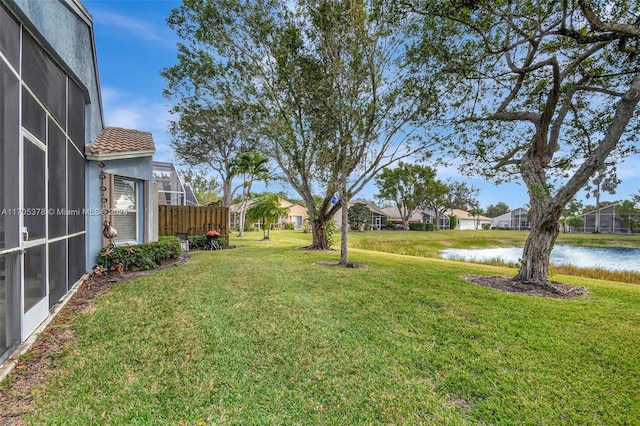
<point>193,220</point>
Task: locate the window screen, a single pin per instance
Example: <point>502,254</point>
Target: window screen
<point>35,273</point>
<point>44,77</point>
<point>9,148</point>
<point>34,118</point>
<point>76,258</point>
<point>76,189</point>
<point>57,182</point>
<point>125,206</point>
<point>34,212</point>
<point>9,37</point>
<point>57,271</point>
<point>76,115</point>
<point>9,303</point>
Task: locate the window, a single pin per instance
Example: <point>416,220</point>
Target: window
<point>125,208</point>
<point>297,221</point>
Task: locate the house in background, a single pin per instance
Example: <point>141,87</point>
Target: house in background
<point>517,219</point>
<point>296,214</point>
<point>378,220</point>
<point>190,198</point>
<point>608,218</point>
<point>62,173</point>
<point>170,188</point>
<point>466,221</point>
<point>394,217</point>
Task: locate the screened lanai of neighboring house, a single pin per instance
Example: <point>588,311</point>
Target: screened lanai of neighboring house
<point>170,187</point>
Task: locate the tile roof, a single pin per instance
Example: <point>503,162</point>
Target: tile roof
<point>114,140</point>
<point>462,214</point>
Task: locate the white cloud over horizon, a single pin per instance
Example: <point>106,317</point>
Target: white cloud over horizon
<point>135,27</point>
<point>130,111</point>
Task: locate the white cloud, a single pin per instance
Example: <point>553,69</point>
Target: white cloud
<point>156,32</point>
<point>130,111</point>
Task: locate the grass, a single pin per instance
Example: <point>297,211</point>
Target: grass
<point>262,335</point>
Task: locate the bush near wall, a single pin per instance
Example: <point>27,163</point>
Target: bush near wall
<point>417,226</point>
<point>486,226</point>
<point>197,241</point>
<point>430,227</point>
<point>140,257</point>
<point>453,222</point>
<point>200,241</point>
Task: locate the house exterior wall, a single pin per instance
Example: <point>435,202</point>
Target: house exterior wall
<point>139,169</point>
<point>502,221</point>
<point>299,211</point>
<point>468,223</point>
<point>516,219</point>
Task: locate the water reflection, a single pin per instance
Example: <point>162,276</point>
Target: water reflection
<point>612,259</point>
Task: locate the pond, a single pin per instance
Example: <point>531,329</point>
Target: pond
<point>612,259</point>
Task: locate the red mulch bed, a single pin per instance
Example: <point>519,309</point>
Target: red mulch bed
<point>512,285</point>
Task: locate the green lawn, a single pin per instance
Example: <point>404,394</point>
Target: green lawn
<point>263,335</point>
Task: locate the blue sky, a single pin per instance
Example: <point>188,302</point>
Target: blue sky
<point>134,44</point>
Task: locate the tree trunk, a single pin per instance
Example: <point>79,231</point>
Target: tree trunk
<point>544,215</point>
<point>538,246</point>
<point>319,233</point>
<point>344,259</point>
<point>226,193</point>
<point>241,221</point>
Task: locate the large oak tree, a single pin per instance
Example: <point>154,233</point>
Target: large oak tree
<point>527,86</point>
<point>323,80</point>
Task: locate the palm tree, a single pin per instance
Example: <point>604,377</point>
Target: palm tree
<point>252,166</point>
<point>267,210</point>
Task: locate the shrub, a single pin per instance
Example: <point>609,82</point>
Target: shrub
<point>330,230</point>
<point>306,226</point>
<point>486,226</point>
<point>417,226</point>
<point>200,241</point>
<point>140,257</point>
<point>430,227</point>
<point>453,222</point>
<point>197,241</point>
